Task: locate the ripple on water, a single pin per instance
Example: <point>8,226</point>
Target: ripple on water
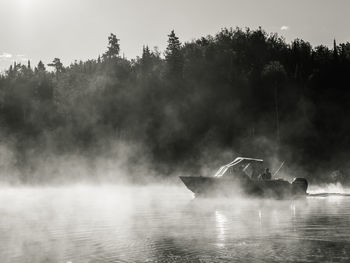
<point>114,224</point>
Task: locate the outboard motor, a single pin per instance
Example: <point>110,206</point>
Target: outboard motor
<point>299,186</point>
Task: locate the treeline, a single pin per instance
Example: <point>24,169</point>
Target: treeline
<point>245,91</point>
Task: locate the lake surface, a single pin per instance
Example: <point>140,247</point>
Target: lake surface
<point>165,224</point>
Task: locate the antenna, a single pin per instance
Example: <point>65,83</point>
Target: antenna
<point>279,168</point>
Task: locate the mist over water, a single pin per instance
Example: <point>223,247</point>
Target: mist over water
<point>330,189</point>
<point>84,223</point>
<point>91,152</point>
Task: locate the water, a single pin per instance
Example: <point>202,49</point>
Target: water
<point>165,224</point>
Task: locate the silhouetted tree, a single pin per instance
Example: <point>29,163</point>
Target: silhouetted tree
<point>57,64</point>
<point>231,91</point>
<point>113,48</point>
<point>41,66</point>
<point>275,73</point>
<point>174,56</point>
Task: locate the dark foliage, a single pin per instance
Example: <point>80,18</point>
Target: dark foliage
<point>242,90</point>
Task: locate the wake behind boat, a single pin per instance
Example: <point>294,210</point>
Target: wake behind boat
<point>244,176</point>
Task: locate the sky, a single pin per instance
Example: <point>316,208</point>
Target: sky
<point>78,29</point>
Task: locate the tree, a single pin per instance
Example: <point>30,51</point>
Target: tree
<point>113,47</point>
<point>41,66</point>
<point>57,64</point>
<point>205,94</point>
<point>173,55</point>
<point>275,73</point>
<point>146,58</point>
<point>146,53</point>
<point>335,50</point>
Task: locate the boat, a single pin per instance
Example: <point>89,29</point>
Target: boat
<point>244,176</point>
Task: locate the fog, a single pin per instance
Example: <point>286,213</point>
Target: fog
<point>91,153</point>
<point>159,223</point>
<point>114,207</point>
<point>239,92</point>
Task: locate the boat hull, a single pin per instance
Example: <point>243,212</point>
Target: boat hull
<point>230,186</point>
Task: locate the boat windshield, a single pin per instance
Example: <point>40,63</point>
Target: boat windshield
<point>240,164</point>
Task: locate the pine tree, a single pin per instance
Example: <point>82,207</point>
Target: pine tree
<point>174,56</point>
<point>146,53</point>
<point>10,71</point>
<point>41,66</point>
<point>57,64</point>
<point>275,73</point>
<point>113,48</point>
<point>146,58</point>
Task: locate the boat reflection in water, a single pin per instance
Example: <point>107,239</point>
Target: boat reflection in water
<point>220,220</point>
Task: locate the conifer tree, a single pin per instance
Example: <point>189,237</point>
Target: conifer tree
<point>41,66</point>
<point>146,58</point>
<point>174,56</point>
<point>57,64</point>
<point>113,48</point>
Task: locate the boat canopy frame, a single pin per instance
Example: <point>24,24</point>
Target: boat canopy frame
<point>238,161</point>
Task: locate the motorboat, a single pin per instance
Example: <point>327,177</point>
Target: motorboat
<point>244,176</point>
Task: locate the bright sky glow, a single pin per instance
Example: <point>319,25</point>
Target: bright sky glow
<point>78,29</point>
